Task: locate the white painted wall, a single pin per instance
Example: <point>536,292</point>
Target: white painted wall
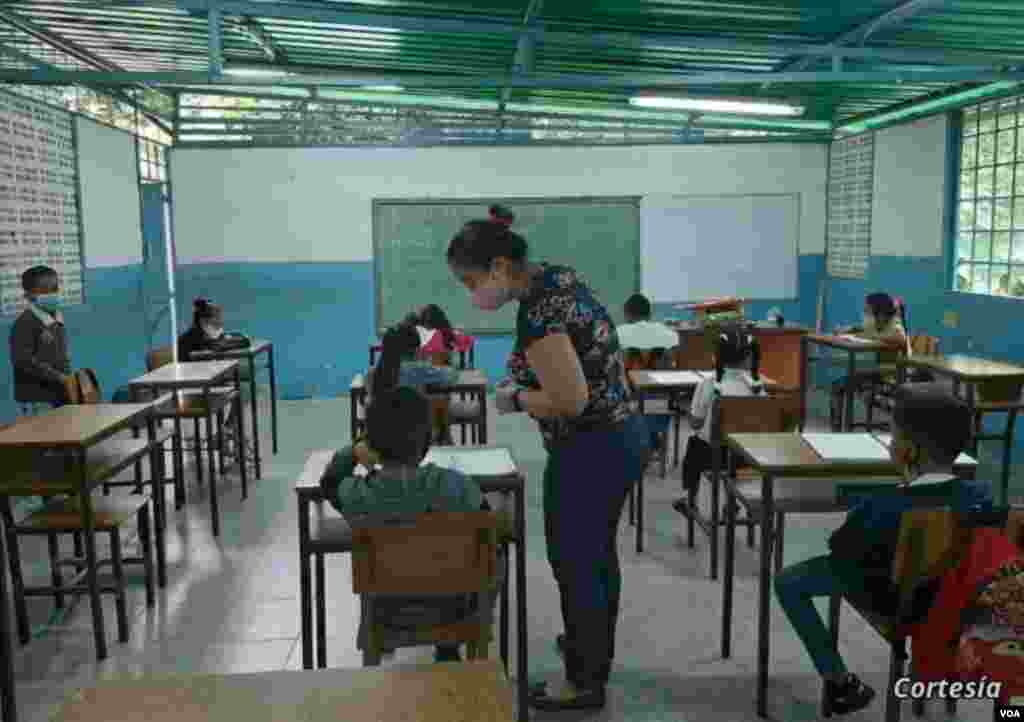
<point>111,215</point>
<point>910,176</point>
<point>314,204</point>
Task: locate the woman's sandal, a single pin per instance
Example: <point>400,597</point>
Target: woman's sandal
<point>583,699</point>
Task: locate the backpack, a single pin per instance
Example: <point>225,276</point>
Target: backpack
<point>81,387</point>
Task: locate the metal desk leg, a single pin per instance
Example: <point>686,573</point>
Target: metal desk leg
<point>804,377</point>
<point>8,703</point>
<point>728,575</point>
<point>851,369</point>
<point>254,408</point>
<point>1011,420</point>
<point>764,593</point>
<point>157,474</point>
<point>483,416</point>
<point>521,636</point>
<point>273,396</point>
<point>214,509</point>
<point>243,465</point>
<point>92,577</point>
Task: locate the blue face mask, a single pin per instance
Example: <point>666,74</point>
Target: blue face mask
<point>49,302</point>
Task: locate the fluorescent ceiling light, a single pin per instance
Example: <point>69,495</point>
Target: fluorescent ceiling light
<point>256,72</point>
<point>711,105</point>
<point>384,88</point>
<point>930,106</point>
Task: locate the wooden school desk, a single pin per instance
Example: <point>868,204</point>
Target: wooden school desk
<point>777,456</point>
<point>780,350</point>
<point>76,430</point>
<point>973,375</point>
<point>203,376</point>
<point>851,347</point>
<point>492,468</point>
<point>249,354</point>
<point>452,692</point>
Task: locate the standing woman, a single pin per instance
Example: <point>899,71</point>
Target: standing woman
<point>566,371</point>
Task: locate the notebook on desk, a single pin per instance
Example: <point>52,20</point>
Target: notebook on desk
<point>847,447</point>
<point>472,462</point>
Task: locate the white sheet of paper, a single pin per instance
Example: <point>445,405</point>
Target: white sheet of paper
<point>675,377</point>
<point>847,447</point>
<point>475,462</point>
<point>962,460</point>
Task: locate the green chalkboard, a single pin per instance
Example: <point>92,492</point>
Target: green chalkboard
<point>599,237</point>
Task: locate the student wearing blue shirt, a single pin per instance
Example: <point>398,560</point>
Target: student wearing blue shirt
<point>929,430</point>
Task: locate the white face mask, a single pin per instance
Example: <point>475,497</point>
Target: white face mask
<point>212,331</point>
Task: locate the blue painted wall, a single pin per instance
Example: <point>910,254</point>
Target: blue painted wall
<point>986,327</point>
<point>321,316</point>
<point>107,333</point>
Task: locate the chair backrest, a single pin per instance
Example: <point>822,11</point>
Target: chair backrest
<point>1015,525</point>
<point>772,413</point>
<point>159,357</point>
<point>438,553</point>
<point>655,359</point>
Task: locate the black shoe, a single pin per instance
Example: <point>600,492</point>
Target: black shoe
<point>447,653</point>
<point>847,696</point>
<point>584,699</point>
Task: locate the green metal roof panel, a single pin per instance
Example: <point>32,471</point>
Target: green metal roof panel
<point>159,36</point>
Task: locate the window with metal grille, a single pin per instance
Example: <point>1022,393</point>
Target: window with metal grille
<point>989,235</point>
<point>850,188</point>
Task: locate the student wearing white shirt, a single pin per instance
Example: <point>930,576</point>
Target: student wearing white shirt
<point>735,351</point>
<point>639,332</point>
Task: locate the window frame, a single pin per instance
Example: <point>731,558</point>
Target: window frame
<point>960,133</point>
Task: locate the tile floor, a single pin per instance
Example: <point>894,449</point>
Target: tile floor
<point>231,605</point>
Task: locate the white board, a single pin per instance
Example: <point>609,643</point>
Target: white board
<point>698,247</point>
<point>111,215</point>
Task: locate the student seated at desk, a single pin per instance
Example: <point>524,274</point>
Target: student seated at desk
<point>646,345</point>
<point>736,350</point>
<point>39,345</point>
<point>929,430</point>
<point>438,340</point>
<point>881,323</point>
<point>398,436</point>
<point>398,366</point>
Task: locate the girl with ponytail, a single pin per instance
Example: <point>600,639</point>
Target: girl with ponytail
<point>737,373</point>
<point>398,366</point>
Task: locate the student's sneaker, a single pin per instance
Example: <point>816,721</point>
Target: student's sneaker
<point>847,696</point>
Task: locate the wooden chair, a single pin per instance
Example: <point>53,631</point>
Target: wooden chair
<point>433,554</point>
<point>323,531</point>
<point>930,542</point>
<point>193,405</point>
<point>775,412</point>
<point>62,516</point>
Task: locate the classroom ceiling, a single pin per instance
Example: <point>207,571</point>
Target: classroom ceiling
<point>574,64</point>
